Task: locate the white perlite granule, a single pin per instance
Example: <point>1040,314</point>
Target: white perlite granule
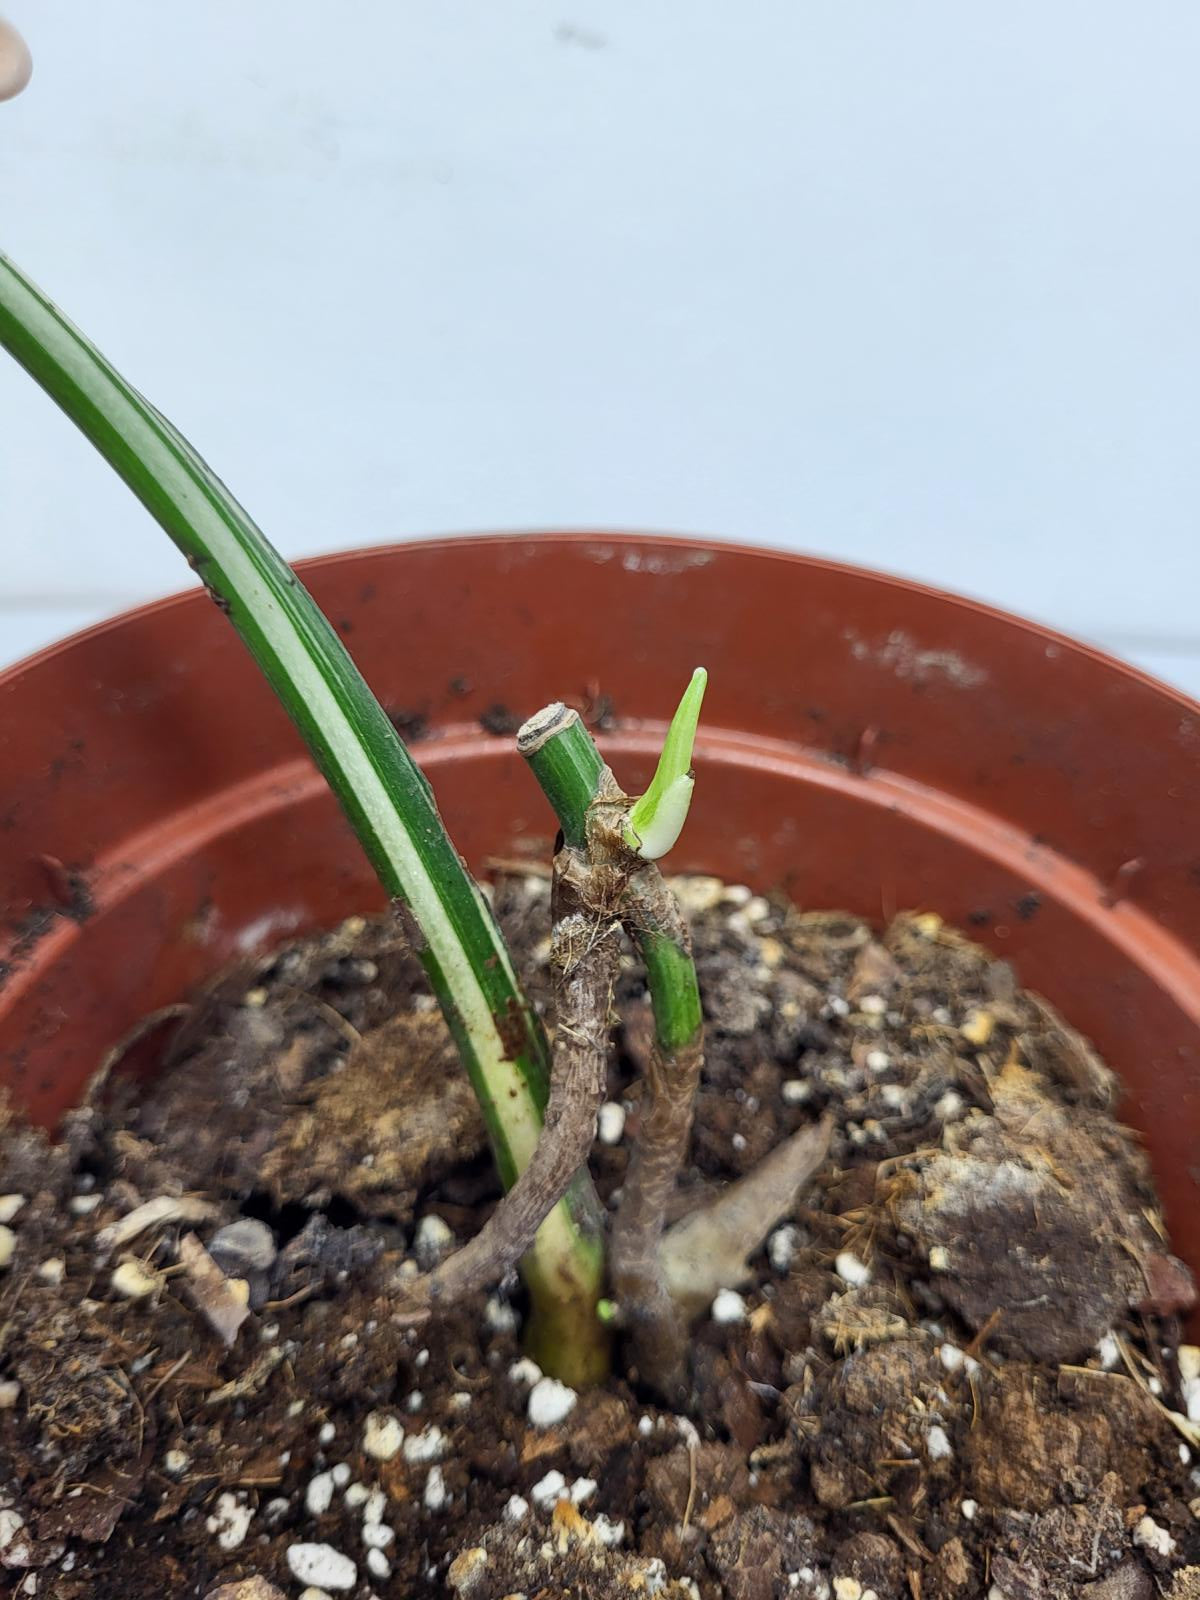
<point>550,1402</point>
<point>851,1270</point>
<point>728,1307</point>
<point>382,1436</point>
<point>322,1565</point>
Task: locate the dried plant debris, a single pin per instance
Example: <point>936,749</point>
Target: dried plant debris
<point>953,1371</point>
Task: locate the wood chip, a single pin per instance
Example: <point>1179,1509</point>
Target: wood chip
<point>251,1381</point>
<point>166,1208</point>
<point>210,1291</point>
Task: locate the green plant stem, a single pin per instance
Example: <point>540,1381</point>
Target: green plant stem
<point>589,805</point>
<point>384,795</point>
<point>570,770</point>
<point>563,758</point>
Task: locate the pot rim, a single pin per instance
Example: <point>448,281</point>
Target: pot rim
<point>631,539</point>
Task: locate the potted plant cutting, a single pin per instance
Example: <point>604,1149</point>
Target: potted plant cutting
<point>875,1320</point>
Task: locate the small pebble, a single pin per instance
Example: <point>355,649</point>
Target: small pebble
<point>969,1508</point>
<point>340,1475</point>
<point>433,1238</point>
<point>382,1436</point>
<point>500,1316</point>
<point>698,894</point>
<point>851,1270</point>
<point>1109,1351</point>
<point>940,1448</point>
<point>83,1205</point>
<point>176,1462</point>
<point>435,1495</point>
<point>872,1005</point>
<point>356,1495</point>
<point>729,1306</point>
<point>939,1259</point>
<point>847,1589</point>
<point>8,1243</point>
<point>465,1571</point>
<point>375,1506</point>
<point>322,1566</point>
<point>782,1247</point>
<point>550,1402</point>
<point>10,1393</point>
<point>517,1508</point>
<point>132,1281</point>
<point>11,1523</point>
<point>242,1247</point>
<point>52,1271</point>
<point>318,1497</point>
<point>796,1091</point>
<point>377,1564</point>
<point>525,1371</point>
<point>326,1433</point>
<point>1149,1535</point>
<point>950,1106</point>
<point>956,1360</point>
<point>582,1490</point>
<point>609,1533</point>
<point>878,1060</point>
<point>315,1594</point>
<point>548,1490</point>
<point>230,1522</point>
<point>460,1400</point>
<point>977,1027</point>
<point>610,1123</point>
<point>10,1204</point>
<point>377,1535</point>
<point>427,1446</point>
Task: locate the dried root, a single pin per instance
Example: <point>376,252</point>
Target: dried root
<point>584,959</point>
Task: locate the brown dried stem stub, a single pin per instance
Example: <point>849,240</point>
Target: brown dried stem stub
<point>709,1249</point>
<point>657,1329</point>
<point>584,951</point>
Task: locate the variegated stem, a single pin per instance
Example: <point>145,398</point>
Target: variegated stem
<point>385,796</point>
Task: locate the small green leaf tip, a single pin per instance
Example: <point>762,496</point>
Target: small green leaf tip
<point>657,819</point>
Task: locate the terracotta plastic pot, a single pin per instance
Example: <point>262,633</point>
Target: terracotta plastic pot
<point>868,743</point>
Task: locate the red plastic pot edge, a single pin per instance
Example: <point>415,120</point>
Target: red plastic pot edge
<point>633,540</point>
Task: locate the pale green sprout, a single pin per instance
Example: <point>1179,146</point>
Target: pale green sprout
<point>657,819</point>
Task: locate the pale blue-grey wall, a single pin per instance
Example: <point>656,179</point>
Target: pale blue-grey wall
<point>912,284</point>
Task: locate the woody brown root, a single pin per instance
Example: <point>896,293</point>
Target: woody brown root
<point>584,951</point>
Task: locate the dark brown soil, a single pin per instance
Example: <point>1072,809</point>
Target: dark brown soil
<point>952,1372</point>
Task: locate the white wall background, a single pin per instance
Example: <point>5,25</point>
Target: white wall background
<point>917,285</point>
